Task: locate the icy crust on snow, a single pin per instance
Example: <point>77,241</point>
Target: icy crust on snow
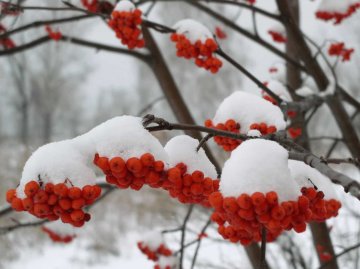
<point>56,162</point>
<point>168,262</point>
<point>153,240</point>
<point>302,172</point>
<point>182,149</point>
<point>193,30</point>
<point>279,89</point>
<point>258,165</point>
<point>339,6</point>
<point>122,136</point>
<point>246,109</point>
<point>124,5</point>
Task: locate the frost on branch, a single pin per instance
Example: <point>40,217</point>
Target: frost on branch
<point>153,246</point>
<point>191,177</point>
<point>335,10</point>
<point>241,112</point>
<point>194,40</point>
<point>56,183</point>
<point>126,22</point>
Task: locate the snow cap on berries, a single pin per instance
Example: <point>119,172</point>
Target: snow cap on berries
<point>123,137</point>
<point>278,72</point>
<point>278,32</point>
<point>193,30</point>
<point>258,165</point>
<point>153,240</point>
<point>246,109</point>
<point>306,176</point>
<point>54,163</point>
<point>182,149</point>
<point>124,5</point>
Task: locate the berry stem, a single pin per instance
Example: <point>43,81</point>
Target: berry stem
<point>263,249</point>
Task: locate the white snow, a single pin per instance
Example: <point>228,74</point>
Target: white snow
<point>122,136</point>
<point>254,133</point>
<point>280,74</point>
<point>339,6</point>
<point>182,149</point>
<point>246,109</point>
<point>259,165</point>
<point>278,27</point>
<point>279,89</point>
<point>153,240</point>
<point>61,228</point>
<point>302,172</point>
<point>171,262</point>
<point>304,91</point>
<point>56,162</point>
<point>193,30</point>
<point>124,5</point>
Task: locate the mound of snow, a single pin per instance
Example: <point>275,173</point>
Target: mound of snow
<point>182,149</point>
<point>279,89</point>
<point>56,162</point>
<point>193,30</point>
<point>124,5</point>
<point>306,176</point>
<point>246,109</point>
<point>259,165</point>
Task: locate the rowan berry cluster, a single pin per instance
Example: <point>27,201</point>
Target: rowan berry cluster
<point>53,35</point>
<point>127,26</point>
<point>57,237</point>
<point>53,201</point>
<point>321,209</point>
<point>202,52</point>
<point>154,255</point>
<point>96,6</point>
<point>189,188</point>
<point>242,218</point>
<point>277,36</point>
<point>294,132</point>
<point>338,17</point>
<point>132,173</point>
<point>6,42</point>
<point>228,144</point>
<point>339,50</point>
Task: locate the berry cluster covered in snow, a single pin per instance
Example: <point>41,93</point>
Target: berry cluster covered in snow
<point>153,246</point>
<point>335,10</point>
<point>194,40</point>
<point>278,33</point>
<point>126,22</point>
<point>251,199</point>
<point>242,112</point>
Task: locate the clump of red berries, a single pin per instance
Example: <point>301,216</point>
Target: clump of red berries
<point>132,173</point>
<point>57,237</point>
<point>338,17</point>
<point>98,6</point>
<point>127,26</point>
<point>202,52</point>
<point>153,255</point>
<point>294,132</point>
<point>277,36</point>
<point>241,219</point>
<point>220,34</point>
<point>187,187</point>
<point>6,42</point>
<point>53,35</point>
<point>228,144</point>
<point>53,201</point>
<point>339,50</point>
<point>321,209</point>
